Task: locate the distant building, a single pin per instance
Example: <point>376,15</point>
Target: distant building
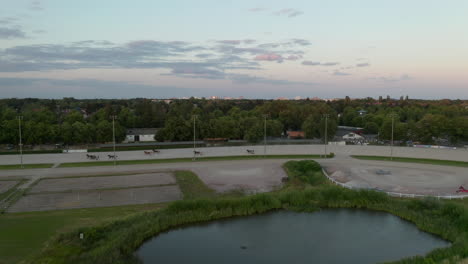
<point>352,137</point>
<point>362,112</point>
<point>295,134</point>
<point>140,134</point>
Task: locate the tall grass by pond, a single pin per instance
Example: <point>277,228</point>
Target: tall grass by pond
<point>116,242</point>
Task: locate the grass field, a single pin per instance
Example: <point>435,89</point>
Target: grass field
<point>26,166</point>
<point>22,235</point>
<point>415,160</point>
<point>198,159</point>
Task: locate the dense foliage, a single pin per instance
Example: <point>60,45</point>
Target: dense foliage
<point>73,121</point>
<point>116,242</point>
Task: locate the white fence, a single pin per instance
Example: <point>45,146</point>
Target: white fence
<point>395,194</point>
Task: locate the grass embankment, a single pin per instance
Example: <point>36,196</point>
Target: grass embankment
<point>22,235</point>
<point>115,242</point>
<point>192,187</point>
<point>415,160</point>
<point>198,159</point>
<point>26,166</point>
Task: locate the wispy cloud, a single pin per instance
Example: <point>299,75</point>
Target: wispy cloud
<point>11,33</point>
<point>316,63</point>
<point>391,79</point>
<point>269,57</point>
<point>257,9</point>
<point>36,6</point>
<point>289,12</point>
<point>363,65</point>
<point>339,73</point>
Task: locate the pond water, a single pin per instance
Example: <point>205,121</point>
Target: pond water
<point>328,236</point>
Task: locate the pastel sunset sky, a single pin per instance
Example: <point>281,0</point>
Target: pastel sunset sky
<point>250,48</point>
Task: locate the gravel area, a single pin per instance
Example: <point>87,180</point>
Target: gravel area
<point>6,185</point>
<point>103,182</point>
<point>88,199</point>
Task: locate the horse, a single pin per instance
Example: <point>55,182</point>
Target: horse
<point>250,151</point>
<point>148,152</point>
<point>156,151</point>
<point>112,156</point>
<point>197,152</point>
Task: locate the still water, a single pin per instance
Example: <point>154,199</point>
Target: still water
<point>328,236</point>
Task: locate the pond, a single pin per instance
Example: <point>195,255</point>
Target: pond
<point>328,236</point>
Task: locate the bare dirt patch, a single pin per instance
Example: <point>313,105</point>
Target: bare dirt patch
<point>6,185</point>
<point>102,182</point>
<point>96,198</point>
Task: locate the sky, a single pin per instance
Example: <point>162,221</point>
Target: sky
<point>249,48</point>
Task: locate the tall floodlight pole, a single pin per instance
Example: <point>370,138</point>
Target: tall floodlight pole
<point>113,136</point>
<point>392,115</point>
<point>264,136</point>
<point>194,135</point>
<point>20,140</point>
<point>326,133</point>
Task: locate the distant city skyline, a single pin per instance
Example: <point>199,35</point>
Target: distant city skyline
<point>255,49</point>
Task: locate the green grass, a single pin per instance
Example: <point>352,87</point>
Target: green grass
<point>415,160</point>
<point>26,166</point>
<point>192,187</point>
<point>198,159</point>
<point>22,235</point>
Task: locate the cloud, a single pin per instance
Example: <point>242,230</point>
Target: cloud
<point>289,12</point>
<point>230,42</point>
<point>11,33</point>
<point>8,20</point>
<point>311,63</point>
<point>269,57</point>
<point>204,55</point>
<point>293,57</point>
<point>362,65</point>
<point>257,9</point>
<point>330,63</point>
<point>339,73</point>
<point>36,6</point>
<point>302,42</point>
<point>404,77</point>
<point>316,63</point>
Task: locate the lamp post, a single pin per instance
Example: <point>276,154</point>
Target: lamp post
<point>194,136</point>
<point>264,135</point>
<point>113,136</point>
<point>20,140</point>
<point>392,115</point>
<point>326,133</point>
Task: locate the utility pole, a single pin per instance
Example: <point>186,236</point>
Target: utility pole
<point>194,136</point>
<point>264,136</point>
<point>20,140</point>
<point>113,136</point>
<point>326,133</point>
<point>392,115</point>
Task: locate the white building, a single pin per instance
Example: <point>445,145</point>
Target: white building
<point>140,134</point>
<point>352,136</point>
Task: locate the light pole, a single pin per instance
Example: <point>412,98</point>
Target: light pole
<point>392,115</point>
<point>113,136</point>
<point>20,140</point>
<point>264,135</point>
<point>194,136</point>
<point>326,133</point>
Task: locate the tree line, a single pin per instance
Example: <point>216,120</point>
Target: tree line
<point>74,121</point>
